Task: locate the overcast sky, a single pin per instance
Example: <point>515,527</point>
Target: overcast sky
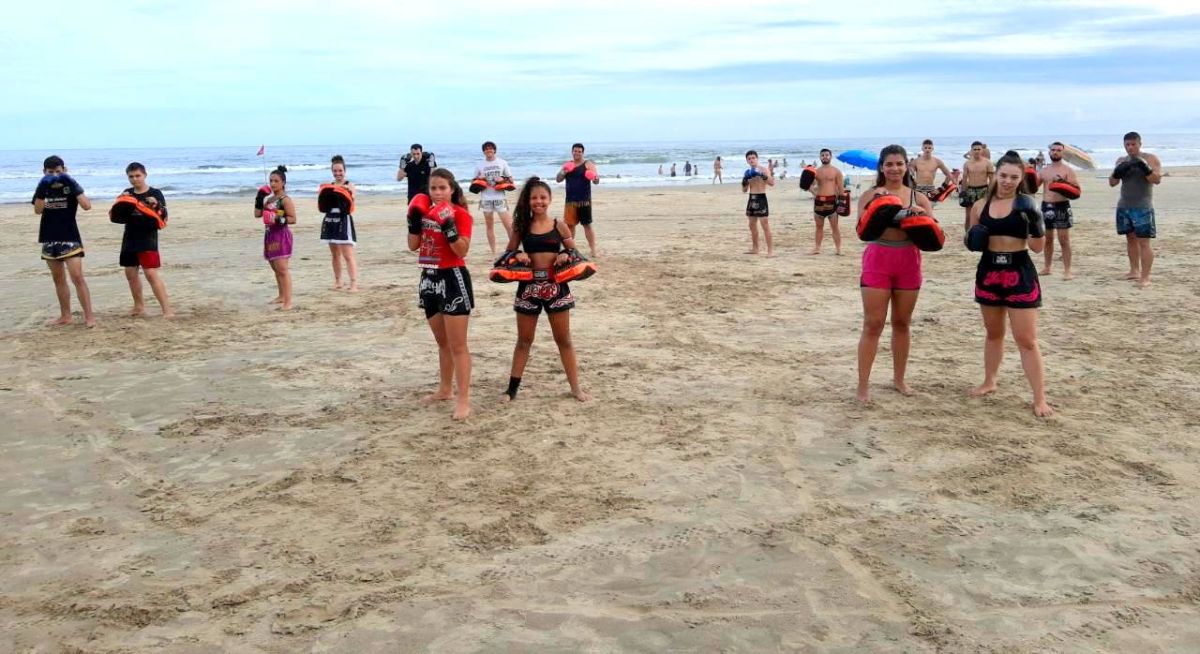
<point>225,72</point>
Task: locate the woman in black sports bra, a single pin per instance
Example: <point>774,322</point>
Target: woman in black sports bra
<point>1004,228</point>
<point>546,242</point>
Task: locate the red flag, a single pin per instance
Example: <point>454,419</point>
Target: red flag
<point>262,149</point>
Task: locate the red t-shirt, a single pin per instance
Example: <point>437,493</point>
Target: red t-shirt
<point>435,252</point>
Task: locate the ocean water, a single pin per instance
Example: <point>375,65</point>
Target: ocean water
<point>236,171</point>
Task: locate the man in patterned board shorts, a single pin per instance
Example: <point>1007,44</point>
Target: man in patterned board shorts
<point>977,176</point>
<point>1138,173</point>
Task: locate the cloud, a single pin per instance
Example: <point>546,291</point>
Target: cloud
<point>630,67</point>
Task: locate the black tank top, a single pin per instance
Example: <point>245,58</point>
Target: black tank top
<point>550,241</point>
<point>1014,224</point>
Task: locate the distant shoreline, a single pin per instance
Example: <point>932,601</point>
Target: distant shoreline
<point>704,182</point>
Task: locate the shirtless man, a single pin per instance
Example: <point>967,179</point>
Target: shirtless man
<point>1056,209</point>
<point>1138,173</point>
<point>978,172</point>
<point>925,168</point>
<point>755,181</point>
<point>825,192</point>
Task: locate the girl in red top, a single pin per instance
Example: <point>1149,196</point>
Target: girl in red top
<point>439,230</point>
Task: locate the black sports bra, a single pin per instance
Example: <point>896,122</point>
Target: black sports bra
<point>1015,224</point>
<point>550,241</point>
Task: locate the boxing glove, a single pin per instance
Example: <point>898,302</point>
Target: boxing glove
<point>70,187</point>
<point>477,185</point>
<point>43,186</point>
<point>268,216</point>
<point>1122,170</point>
<point>263,192</point>
<point>590,175</point>
<point>976,238</point>
<point>1140,167</point>
<point>442,213</point>
<point>1024,206</point>
<point>416,211</point>
<point>568,167</point>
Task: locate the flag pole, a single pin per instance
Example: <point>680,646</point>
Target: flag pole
<point>262,150</point>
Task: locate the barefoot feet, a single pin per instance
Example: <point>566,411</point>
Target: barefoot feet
<point>986,388</point>
<point>439,396</point>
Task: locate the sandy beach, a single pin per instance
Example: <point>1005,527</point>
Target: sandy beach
<point>247,480</point>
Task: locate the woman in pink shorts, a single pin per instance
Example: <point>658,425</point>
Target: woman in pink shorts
<point>277,211</point>
<point>891,275</point>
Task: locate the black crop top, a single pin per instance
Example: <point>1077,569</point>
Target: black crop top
<point>1023,221</point>
<point>550,241</point>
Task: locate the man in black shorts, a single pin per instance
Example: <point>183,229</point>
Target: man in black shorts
<point>755,181</point>
<point>1056,209</point>
<point>57,199</point>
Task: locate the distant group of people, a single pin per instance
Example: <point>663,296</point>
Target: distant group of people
<point>1002,222</point>
<point>439,230</point>
<point>718,169</point>
<point>688,169</point>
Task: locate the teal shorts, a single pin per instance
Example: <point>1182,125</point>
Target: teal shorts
<point>1138,221</point>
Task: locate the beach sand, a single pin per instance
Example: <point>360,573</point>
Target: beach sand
<point>245,480</point>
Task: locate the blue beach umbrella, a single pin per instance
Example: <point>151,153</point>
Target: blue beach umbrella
<point>860,158</point>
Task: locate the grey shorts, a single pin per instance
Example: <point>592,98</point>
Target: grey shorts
<point>499,205</point>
